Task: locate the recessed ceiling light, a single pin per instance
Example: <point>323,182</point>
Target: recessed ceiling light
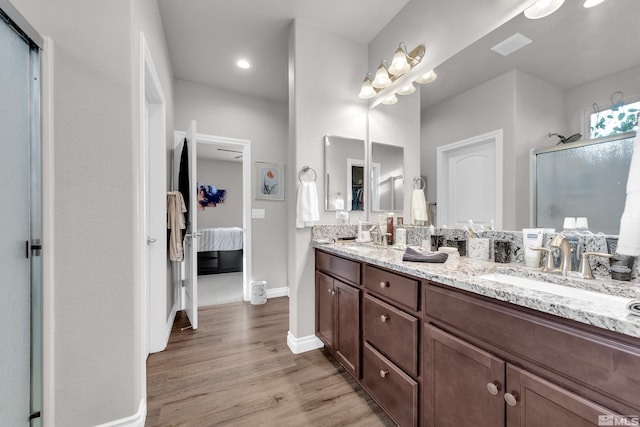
<point>510,45</point>
<point>591,3</point>
<point>542,8</point>
<point>243,63</point>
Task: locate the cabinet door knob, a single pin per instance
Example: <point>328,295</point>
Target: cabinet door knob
<point>384,317</point>
<point>333,292</point>
<point>493,388</point>
<point>329,290</point>
<point>384,373</point>
<point>511,398</point>
<point>384,285</point>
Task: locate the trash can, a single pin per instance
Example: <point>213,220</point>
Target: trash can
<point>258,292</point>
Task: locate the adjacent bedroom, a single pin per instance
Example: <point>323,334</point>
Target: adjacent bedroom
<point>220,207</point>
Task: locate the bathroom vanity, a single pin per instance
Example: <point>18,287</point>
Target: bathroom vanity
<point>448,345</point>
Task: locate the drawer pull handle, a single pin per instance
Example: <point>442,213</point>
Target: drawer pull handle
<point>384,317</point>
<point>384,373</point>
<point>493,388</point>
<point>511,398</point>
<point>384,285</point>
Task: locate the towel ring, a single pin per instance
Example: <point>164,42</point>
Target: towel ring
<point>306,169</point>
<point>420,182</point>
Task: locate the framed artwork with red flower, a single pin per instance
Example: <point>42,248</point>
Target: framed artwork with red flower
<point>270,181</point>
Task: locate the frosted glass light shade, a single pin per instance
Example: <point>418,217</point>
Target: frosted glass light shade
<point>427,77</point>
<point>407,89</point>
<point>366,90</point>
<point>390,100</point>
<point>399,64</point>
<point>382,79</point>
<point>542,8</point>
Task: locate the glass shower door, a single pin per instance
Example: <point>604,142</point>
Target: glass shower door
<point>20,272</point>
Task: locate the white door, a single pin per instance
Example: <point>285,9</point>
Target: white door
<point>470,181</point>
<point>19,228</point>
<point>190,303</point>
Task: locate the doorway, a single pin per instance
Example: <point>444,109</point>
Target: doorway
<point>158,311</point>
<point>470,181</point>
<point>20,222</point>
<point>223,167</point>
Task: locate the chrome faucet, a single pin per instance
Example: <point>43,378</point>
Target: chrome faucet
<point>378,237</point>
<point>561,242</point>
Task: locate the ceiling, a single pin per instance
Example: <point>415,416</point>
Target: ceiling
<point>570,48</point>
<point>206,37</point>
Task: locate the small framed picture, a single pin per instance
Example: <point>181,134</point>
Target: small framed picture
<point>270,181</point>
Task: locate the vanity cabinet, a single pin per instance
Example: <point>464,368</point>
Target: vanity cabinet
<point>437,356</point>
<point>338,312</point>
<point>391,336</point>
<point>465,385</point>
<point>500,366</point>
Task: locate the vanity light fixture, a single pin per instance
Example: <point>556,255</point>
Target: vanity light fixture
<point>382,79</point>
<point>367,90</point>
<point>542,8</point>
<point>427,77</point>
<point>591,3</point>
<point>390,99</point>
<point>386,77</point>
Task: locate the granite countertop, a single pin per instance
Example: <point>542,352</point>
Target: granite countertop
<point>464,274</point>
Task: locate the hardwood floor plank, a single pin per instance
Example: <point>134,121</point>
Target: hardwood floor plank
<point>236,370</point>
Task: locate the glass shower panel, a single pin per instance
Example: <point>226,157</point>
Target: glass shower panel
<point>15,179</point>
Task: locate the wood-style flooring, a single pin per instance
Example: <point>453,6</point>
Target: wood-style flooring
<point>237,370</point>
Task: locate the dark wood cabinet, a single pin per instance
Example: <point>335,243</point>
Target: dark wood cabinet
<point>463,384</point>
<point>338,320</point>
<point>436,356</point>
<point>347,330</point>
<point>535,402</point>
<point>325,309</point>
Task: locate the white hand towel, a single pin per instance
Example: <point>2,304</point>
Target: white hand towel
<point>418,206</point>
<point>307,205</point>
<point>629,240</point>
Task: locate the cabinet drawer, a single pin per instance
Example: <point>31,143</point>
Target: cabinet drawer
<point>393,286</point>
<point>338,267</point>
<point>394,390</point>
<point>393,332</point>
<point>602,365</point>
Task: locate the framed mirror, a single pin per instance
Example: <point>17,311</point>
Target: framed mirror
<point>343,173</point>
<point>387,178</point>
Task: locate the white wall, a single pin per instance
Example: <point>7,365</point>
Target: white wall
<point>539,110</point>
<point>263,122</point>
<point>325,74</point>
<point>225,175</point>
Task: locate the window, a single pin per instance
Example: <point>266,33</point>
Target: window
<point>620,118</point>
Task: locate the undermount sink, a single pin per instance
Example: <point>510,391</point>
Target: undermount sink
<point>560,290</point>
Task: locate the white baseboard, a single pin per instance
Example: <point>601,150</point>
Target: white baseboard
<point>135,420</point>
<point>301,345</point>
<point>277,292</point>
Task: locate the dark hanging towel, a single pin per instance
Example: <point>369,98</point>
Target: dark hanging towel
<point>183,183</point>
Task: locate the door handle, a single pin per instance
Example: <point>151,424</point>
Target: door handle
<point>151,240</point>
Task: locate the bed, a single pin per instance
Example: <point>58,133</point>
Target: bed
<point>220,250</point>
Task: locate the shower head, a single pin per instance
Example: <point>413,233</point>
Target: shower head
<point>563,140</point>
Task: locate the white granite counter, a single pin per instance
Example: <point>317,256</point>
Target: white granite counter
<point>464,274</point>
